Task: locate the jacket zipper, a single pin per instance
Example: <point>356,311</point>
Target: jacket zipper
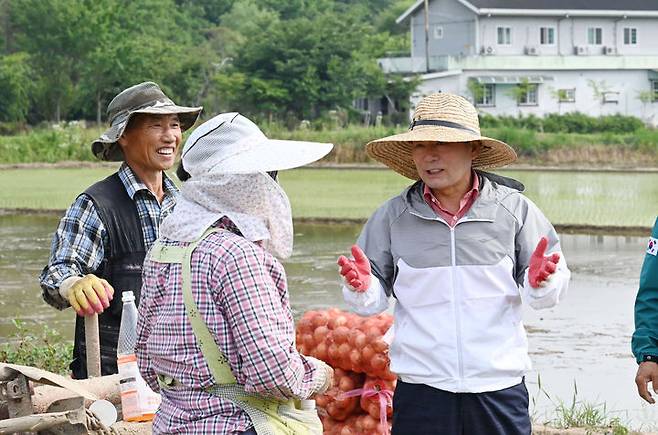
<point>456,305</point>
<point>455,293</point>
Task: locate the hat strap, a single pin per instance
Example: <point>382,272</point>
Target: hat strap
<point>441,123</point>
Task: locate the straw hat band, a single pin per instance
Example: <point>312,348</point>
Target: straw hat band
<point>441,123</point>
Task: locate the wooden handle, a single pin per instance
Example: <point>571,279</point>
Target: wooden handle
<point>93,346</point>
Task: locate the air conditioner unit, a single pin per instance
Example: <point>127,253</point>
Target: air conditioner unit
<point>487,50</point>
<point>581,50</point>
<point>610,51</point>
<point>532,50</point>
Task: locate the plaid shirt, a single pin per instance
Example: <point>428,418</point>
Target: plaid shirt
<point>241,292</point>
<point>80,242</point>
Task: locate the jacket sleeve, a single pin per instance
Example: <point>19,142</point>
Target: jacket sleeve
<point>645,337</point>
<point>533,226</point>
<point>78,248</point>
<point>375,240</point>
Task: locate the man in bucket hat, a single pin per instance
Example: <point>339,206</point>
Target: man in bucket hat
<point>459,250</point>
<point>98,249</point>
<point>214,282</point>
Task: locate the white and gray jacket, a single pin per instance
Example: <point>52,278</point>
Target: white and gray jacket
<point>459,290</point>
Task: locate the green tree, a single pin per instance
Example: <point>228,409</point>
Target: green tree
<point>15,87</point>
<point>307,66</point>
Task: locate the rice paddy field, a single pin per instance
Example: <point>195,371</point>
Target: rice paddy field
<point>588,198</point>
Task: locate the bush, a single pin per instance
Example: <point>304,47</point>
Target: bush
<point>47,352</point>
<point>574,122</point>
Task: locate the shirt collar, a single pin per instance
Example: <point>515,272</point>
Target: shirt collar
<point>133,184</point>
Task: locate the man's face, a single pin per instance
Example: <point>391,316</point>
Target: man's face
<point>151,141</point>
<point>443,165</point>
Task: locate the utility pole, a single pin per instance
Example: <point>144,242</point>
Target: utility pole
<point>427,36</point>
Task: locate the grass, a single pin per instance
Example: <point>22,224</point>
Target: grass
<point>594,418</point>
<point>567,198</point>
<point>47,351</point>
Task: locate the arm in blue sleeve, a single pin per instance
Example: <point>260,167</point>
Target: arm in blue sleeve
<point>78,248</point>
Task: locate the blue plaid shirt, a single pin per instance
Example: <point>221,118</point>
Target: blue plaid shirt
<point>80,242</point>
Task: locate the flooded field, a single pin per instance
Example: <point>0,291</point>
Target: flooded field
<point>585,340</point>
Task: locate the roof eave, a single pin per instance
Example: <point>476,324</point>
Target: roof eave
<point>567,12</point>
<point>536,12</point>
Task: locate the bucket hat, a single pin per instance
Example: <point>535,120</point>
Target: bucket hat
<point>230,143</point>
<point>146,97</point>
<point>440,117</point>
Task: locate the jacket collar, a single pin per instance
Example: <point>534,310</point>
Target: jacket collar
<point>484,208</point>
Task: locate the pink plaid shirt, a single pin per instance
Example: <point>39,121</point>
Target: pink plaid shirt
<point>242,295</point>
<point>464,204</point>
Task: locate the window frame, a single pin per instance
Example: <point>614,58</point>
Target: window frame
<point>550,31</point>
<point>534,91</point>
<point>506,35</point>
<point>440,31</point>
<point>630,35</point>
<point>488,98</point>
<point>597,34</point>
<point>570,95</point>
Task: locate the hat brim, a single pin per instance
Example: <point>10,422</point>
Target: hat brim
<point>106,147</point>
<point>395,151</point>
<point>273,155</point>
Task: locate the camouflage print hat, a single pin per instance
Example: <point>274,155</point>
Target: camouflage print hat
<point>145,97</point>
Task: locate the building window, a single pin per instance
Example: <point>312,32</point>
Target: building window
<point>595,36</point>
<point>360,104</point>
<point>611,97</point>
<point>654,87</point>
<point>630,36</point>
<point>486,96</point>
<point>438,32</point>
<point>566,95</point>
<point>528,95</point>
<point>547,35</point>
<point>504,35</point>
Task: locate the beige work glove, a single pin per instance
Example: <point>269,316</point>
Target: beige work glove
<point>88,295</point>
<point>325,375</point>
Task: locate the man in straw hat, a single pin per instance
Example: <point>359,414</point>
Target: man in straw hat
<point>214,282</point>
<point>99,246</point>
<point>459,250</point>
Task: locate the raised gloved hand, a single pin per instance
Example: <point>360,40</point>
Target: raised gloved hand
<point>356,272</point>
<point>541,267</point>
<point>90,295</point>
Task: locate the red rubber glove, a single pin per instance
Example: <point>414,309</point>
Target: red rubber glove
<point>356,272</point>
<point>541,267</point>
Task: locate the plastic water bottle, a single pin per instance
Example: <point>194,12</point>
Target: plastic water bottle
<point>138,401</point>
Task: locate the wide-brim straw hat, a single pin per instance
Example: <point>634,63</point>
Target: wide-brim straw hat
<point>440,117</point>
<point>229,143</point>
<point>146,97</point>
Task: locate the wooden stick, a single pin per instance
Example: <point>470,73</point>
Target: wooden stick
<point>93,346</point>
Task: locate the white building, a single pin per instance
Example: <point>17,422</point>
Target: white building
<point>514,57</point>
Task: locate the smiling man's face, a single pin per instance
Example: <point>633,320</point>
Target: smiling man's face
<point>150,142</point>
<point>444,165</point>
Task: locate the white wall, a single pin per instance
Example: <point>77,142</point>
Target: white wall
<point>570,32</point>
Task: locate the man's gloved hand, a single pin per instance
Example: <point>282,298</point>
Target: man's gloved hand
<point>356,272</point>
<point>647,372</point>
<point>90,295</point>
<point>541,267</point>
